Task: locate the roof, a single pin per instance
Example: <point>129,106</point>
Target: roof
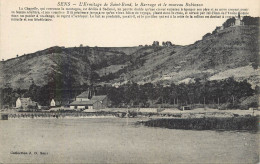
<point>84,95</point>
<point>90,102</point>
<point>25,100</point>
<point>99,98</point>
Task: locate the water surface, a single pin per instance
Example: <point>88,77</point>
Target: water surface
<point>119,140</point>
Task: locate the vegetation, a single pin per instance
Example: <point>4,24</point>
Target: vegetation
<point>63,73</point>
<point>233,123</point>
<point>78,65</point>
<point>251,20</point>
<point>248,20</point>
<point>206,35</point>
<point>227,91</point>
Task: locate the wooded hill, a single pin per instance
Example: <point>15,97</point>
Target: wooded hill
<point>222,68</point>
<point>232,52</point>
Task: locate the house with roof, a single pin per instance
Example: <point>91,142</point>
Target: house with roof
<point>84,96</point>
<point>25,102</point>
<point>53,103</point>
<point>85,101</point>
<point>90,104</point>
<point>102,100</point>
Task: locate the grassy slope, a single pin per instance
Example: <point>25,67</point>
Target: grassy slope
<point>20,73</point>
<point>73,64</point>
<point>222,55</point>
<point>233,48</point>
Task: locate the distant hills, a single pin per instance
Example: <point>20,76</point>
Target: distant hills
<point>231,52</point>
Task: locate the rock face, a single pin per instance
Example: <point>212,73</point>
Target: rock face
<point>223,54</point>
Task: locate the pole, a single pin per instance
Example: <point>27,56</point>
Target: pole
<point>204,102</point>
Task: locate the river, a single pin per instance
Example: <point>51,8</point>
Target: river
<point>119,140</point>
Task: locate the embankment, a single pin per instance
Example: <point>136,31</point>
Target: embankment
<point>249,123</point>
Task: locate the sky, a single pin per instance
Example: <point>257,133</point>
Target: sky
<point>18,38</point>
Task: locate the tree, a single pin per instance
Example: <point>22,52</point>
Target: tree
<point>251,20</point>
<point>33,92</point>
<point>116,95</point>
<point>132,94</point>
<point>8,96</point>
<point>229,22</point>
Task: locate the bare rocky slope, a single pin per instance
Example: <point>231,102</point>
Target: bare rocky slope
<point>233,52</point>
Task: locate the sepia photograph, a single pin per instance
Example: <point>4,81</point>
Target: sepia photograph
<point>114,81</point>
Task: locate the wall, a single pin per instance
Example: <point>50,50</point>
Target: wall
<point>18,103</point>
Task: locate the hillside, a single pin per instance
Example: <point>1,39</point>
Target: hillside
<point>229,52</point>
<point>64,66</point>
<point>221,55</point>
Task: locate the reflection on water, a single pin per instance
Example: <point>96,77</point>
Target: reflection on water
<point>119,140</point>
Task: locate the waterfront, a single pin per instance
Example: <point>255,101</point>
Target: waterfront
<point>119,140</point>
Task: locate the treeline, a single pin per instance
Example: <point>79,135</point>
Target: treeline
<point>226,91</point>
<point>63,94</point>
<point>247,20</point>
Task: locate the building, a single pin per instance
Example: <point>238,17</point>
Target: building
<point>238,21</point>
<point>52,104</point>
<point>85,101</point>
<point>84,96</point>
<point>103,100</point>
<point>24,103</point>
<point>90,104</point>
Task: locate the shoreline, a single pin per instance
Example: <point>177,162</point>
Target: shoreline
<point>132,113</point>
<point>241,123</point>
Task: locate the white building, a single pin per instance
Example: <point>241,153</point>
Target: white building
<point>238,21</point>
<point>52,103</point>
<point>24,102</point>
